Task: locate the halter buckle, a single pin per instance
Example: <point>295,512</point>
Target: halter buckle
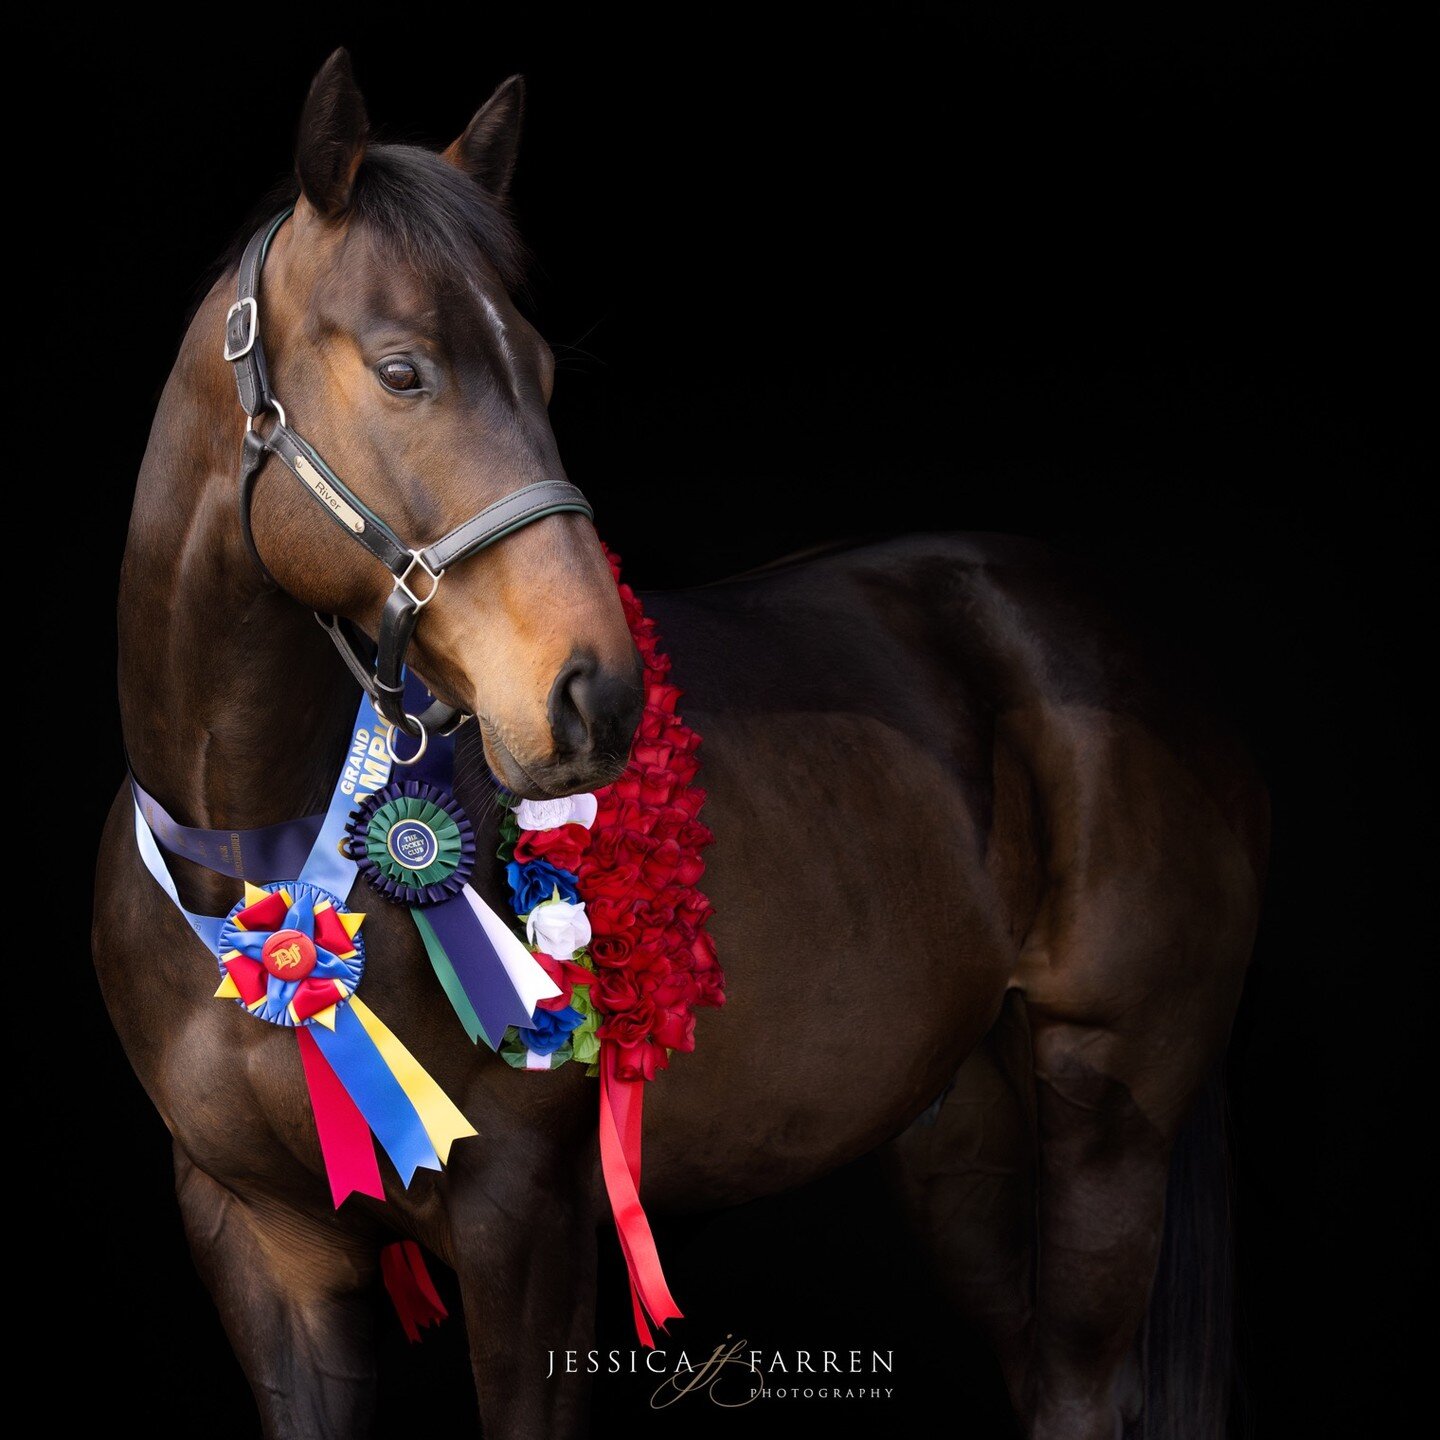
<point>238,346</point>
<point>402,579</point>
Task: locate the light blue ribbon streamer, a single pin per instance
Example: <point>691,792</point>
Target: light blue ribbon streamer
<point>362,774</point>
<point>207,927</point>
<point>362,1070</point>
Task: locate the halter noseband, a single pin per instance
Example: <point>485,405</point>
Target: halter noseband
<point>411,567</point>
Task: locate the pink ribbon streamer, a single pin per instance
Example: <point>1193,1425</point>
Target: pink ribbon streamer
<point>620,1124</point>
<point>345,1143</point>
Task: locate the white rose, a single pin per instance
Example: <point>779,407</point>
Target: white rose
<point>552,814</point>
<point>558,928</point>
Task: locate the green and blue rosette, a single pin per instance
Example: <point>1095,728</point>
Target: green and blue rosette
<point>413,843</point>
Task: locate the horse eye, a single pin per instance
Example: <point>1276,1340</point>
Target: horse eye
<point>398,375</point>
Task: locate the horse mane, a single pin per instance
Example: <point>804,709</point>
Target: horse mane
<point>424,211</point>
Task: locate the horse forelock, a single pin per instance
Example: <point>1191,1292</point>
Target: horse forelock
<point>420,210</point>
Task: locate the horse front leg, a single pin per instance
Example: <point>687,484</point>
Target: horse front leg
<point>523,1233</point>
<point>965,1171</point>
<point>295,1292</point>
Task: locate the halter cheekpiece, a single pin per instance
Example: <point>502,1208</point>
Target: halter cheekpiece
<point>417,571</point>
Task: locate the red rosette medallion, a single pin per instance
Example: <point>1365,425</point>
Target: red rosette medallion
<point>288,954</point>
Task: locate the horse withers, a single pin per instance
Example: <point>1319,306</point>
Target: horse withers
<point>1065,924</point>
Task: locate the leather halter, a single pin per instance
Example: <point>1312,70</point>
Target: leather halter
<point>411,567</point>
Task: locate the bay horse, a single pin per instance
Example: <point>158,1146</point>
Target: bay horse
<point>969,845</point>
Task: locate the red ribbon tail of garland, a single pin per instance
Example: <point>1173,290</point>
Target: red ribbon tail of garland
<point>620,1112</point>
<point>411,1290</point>
<point>345,1142</point>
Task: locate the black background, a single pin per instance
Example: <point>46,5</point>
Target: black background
<point>1147,285</point>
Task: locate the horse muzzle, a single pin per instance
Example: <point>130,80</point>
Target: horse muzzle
<point>593,710</point>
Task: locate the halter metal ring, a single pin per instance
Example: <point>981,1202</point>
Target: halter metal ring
<point>401,580</point>
<point>390,743</point>
<point>270,404</point>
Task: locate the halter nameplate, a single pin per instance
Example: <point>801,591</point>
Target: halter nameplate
<point>345,513</point>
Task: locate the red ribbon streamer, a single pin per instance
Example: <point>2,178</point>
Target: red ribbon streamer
<point>620,1110</point>
<point>412,1292</point>
<point>345,1143</point>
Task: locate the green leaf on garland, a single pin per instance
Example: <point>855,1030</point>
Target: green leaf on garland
<point>509,834</point>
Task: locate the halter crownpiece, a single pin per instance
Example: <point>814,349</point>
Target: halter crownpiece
<point>418,571</point>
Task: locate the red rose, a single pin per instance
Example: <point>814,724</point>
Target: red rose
<point>612,952</point>
<point>674,991</point>
<point>650,957</point>
<point>566,975</point>
<point>642,1061</point>
<point>627,787</point>
<point>675,1029</point>
<point>617,846</point>
<point>651,753</point>
<point>613,813</point>
<point>654,919</point>
<point>562,847</point>
<point>711,988</point>
<point>614,883</point>
<point>695,909</point>
<point>702,951</point>
<point>655,786</point>
<point>610,916</point>
<point>667,821</point>
<point>664,697</point>
<point>618,992</point>
<point>661,865</point>
<point>690,800</point>
<point>684,767</point>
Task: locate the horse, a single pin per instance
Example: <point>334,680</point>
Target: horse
<point>971,843</point>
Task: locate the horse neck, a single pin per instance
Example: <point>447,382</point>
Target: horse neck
<point>234,707</point>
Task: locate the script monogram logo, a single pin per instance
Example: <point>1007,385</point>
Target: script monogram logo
<point>285,957</point>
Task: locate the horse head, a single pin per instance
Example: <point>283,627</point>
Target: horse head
<point>393,337</point>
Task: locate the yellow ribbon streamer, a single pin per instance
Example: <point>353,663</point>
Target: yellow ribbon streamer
<point>443,1122</point>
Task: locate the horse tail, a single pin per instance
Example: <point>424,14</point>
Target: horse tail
<point>1188,1339</point>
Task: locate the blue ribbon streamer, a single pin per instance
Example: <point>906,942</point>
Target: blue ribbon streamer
<point>437,764</point>
<point>362,1070</point>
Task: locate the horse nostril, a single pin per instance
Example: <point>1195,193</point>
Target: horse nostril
<point>569,707</point>
<point>592,709</point>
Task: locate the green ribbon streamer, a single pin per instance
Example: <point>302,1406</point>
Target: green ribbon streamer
<point>449,980</point>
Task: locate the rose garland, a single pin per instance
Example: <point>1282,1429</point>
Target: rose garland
<point>606,885</point>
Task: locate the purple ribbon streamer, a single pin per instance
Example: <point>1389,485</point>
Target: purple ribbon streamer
<point>256,855</point>
<point>479,968</point>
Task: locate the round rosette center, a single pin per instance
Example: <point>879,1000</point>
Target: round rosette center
<point>290,952</point>
<point>412,842</point>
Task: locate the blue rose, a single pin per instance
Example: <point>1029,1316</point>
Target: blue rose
<point>552,1029</point>
<point>536,881</point>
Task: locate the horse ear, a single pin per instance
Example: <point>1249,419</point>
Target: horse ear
<point>331,142</point>
<point>486,151</point>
